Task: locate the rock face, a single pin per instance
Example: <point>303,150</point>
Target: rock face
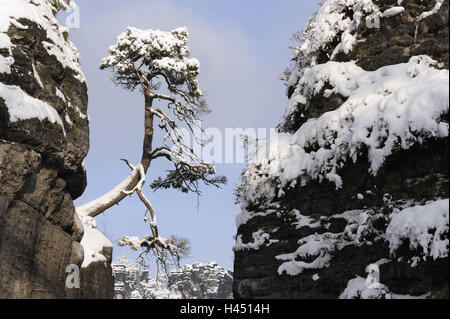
<point>97,280</point>
<point>197,281</point>
<point>44,137</point>
<point>307,233</point>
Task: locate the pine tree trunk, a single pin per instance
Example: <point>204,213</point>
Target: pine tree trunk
<point>148,135</point>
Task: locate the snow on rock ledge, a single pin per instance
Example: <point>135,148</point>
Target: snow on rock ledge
<point>321,248</point>
<point>396,106</point>
<point>328,23</point>
<point>260,238</point>
<point>94,243</point>
<point>357,288</point>
<point>392,12</point>
<point>21,106</point>
<point>42,13</point>
<point>435,9</point>
<point>337,21</point>
<point>423,227</point>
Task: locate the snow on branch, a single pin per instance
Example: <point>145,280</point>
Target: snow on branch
<point>162,53</point>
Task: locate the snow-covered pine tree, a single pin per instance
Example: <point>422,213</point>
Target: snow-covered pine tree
<point>148,60</point>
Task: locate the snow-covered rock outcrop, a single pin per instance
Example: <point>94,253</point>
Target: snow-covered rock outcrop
<point>44,137</point>
<point>196,281</point>
<point>202,281</point>
<point>134,282</point>
<point>358,172</point>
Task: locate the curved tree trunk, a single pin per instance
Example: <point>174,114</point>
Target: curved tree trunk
<point>114,196</point>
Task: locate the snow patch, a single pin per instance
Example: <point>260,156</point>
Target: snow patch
<point>392,12</point>
<point>36,76</point>
<point>18,25</point>
<point>425,227</point>
<point>68,120</point>
<point>259,239</point>
<point>78,111</point>
<point>321,247</point>
<point>435,9</point>
<point>93,242</point>
<point>5,64</point>
<point>21,106</point>
<point>245,216</point>
<point>358,289</point>
<point>304,221</point>
<point>60,94</point>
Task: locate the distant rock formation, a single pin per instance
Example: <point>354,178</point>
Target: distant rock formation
<point>202,281</point>
<point>197,281</point>
<point>356,183</point>
<point>44,137</point>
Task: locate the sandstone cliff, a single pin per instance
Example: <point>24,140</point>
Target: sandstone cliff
<point>44,137</point>
<point>357,178</point>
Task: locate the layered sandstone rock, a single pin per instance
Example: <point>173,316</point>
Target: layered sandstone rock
<point>44,136</point>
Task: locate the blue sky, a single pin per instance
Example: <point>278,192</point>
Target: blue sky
<point>242,47</point>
